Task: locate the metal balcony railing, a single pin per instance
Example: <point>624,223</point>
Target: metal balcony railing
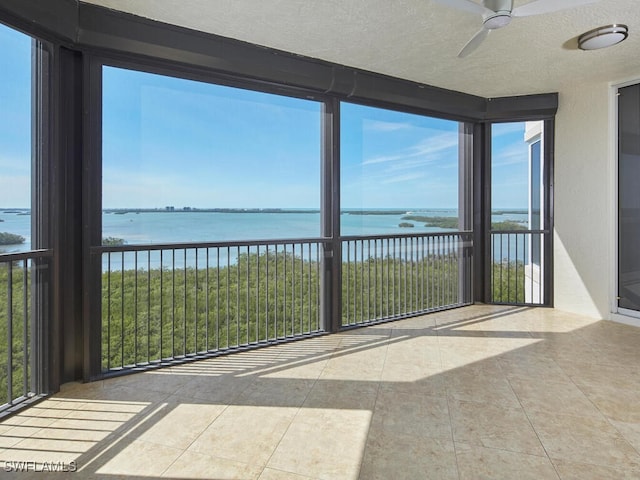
<point>174,302</point>
<point>21,320</point>
<point>517,270</point>
<point>390,277</point>
<point>162,303</point>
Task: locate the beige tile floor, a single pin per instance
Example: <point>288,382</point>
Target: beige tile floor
<point>479,392</point>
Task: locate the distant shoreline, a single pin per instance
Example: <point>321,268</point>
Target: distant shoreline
<point>123,211</point>
<point>346,211</point>
<point>235,211</point>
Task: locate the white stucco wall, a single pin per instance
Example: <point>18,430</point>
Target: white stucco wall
<point>583,202</point>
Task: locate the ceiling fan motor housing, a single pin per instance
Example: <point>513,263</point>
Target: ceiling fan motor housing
<point>499,20</point>
<point>501,16</point>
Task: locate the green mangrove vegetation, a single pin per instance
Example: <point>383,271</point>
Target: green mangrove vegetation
<point>384,287</point>
<point>12,315</point>
<point>508,225</point>
<point>507,282</point>
<point>161,313</point>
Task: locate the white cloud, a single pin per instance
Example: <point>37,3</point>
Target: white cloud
<point>402,178</point>
<point>516,153</point>
<point>499,129</point>
<point>430,146</point>
<point>380,126</point>
<point>410,164</point>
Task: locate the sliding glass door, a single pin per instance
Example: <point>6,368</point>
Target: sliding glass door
<point>629,198</point>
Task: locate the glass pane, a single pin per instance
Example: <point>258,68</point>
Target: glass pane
<point>399,172</point>
<point>629,197</point>
<point>517,202</point>
<point>509,177</point>
<point>15,140</point>
<point>187,161</point>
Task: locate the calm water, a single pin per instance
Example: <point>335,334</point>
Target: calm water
<point>215,226</point>
<point>170,227</point>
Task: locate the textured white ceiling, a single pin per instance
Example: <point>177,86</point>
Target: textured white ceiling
<point>419,39</point>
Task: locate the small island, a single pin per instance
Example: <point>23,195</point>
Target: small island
<point>452,223</point>
<point>113,242</point>
<point>7,238</point>
<point>406,225</point>
<point>440,222</point>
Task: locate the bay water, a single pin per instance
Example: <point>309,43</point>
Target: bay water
<point>162,227</point>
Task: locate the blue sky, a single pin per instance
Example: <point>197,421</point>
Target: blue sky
<point>15,118</point>
<point>169,141</point>
<point>175,142</point>
<point>394,159</point>
<point>509,166</point>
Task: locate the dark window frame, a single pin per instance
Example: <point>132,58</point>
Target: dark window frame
<point>482,231</point>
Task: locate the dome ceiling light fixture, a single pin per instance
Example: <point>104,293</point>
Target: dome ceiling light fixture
<point>603,37</point>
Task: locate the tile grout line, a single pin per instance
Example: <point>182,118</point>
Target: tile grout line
<point>375,403</point>
<point>299,408</point>
<point>446,396</point>
<point>606,417</point>
<point>184,450</point>
<point>526,413</point>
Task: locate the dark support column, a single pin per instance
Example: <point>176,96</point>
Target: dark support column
<point>482,213</point>
<point>465,209</point>
<point>67,214</point>
<point>331,313</point>
<point>92,217</point>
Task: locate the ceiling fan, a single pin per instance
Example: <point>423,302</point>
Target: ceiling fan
<point>498,13</point>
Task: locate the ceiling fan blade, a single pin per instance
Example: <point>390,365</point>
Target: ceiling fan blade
<point>474,43</point>
<point>466,5</point>
<point>538,7</point>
